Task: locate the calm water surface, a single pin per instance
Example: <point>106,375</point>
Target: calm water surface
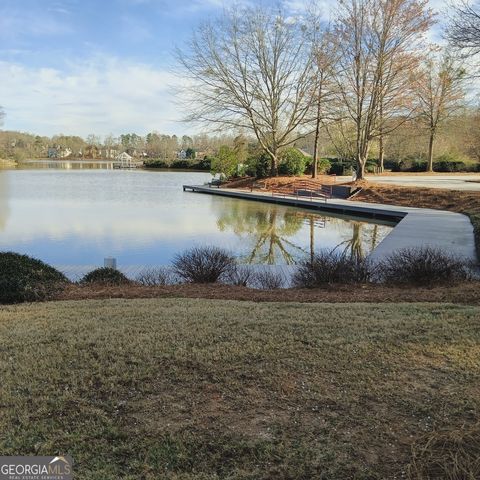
<point>73,217</point>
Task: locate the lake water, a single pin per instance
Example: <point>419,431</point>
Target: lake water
<point>73,216</point>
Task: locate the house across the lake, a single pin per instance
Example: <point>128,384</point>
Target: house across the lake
<point>124,160</point>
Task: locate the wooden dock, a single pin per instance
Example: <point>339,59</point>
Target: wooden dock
<point>388,214</point>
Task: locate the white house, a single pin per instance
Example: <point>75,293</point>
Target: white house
<point>124,160</point>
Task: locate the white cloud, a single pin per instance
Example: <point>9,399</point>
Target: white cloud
<point>100,95</point>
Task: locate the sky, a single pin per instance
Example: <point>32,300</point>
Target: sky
<point>102,66</point>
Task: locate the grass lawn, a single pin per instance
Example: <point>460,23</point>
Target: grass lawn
<point>214,389</point>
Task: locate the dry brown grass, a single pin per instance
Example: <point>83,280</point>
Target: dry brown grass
<point>450,455</point>
<point>462,293</point>
<point>194,389</point>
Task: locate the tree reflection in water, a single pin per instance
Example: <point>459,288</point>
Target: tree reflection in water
<point>271,229</point>
<point>363,234</point>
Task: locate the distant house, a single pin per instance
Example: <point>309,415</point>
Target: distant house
<point>109,153</point>
<point>124,160</point>
<point>182,154</point>
<point>124,157</point>
<point>65,153</point>
<point>52,153</point>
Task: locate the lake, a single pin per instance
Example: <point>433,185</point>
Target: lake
<point>73,215</point>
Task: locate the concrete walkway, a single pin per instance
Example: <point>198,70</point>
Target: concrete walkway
<point>467,182</point>
<point>417,227</point>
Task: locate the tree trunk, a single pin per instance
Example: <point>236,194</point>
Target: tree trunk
<point>274,166</point>
<point>381,153</point>
<point>430,152</point>
<point>360,168</point>
<point>315,148</point>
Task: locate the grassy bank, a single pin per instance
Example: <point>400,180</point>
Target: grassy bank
<point>201,389</point>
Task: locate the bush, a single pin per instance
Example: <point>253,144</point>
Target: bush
<point>258,166</point>
<point>424,266</point>
<point>26,279</point>
<point>269,279</point>
<point>292,162</point>
<point>105,276</point>
<point>406,165</point>
<point>449,163</point>
<point>181,164</point>
<point>341,167</point>
<point>156,163</point>
<point>204,164</point>
<point>323,165</point>
<point>153,277</point>
<point>330,267</point>
<point>203,264</point>
<point>241,275</point>
<point>225,163</point>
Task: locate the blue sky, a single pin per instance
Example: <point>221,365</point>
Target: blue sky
<point>98,66</point>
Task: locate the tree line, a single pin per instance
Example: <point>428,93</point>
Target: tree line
<point>20,146</point>
<point>357,82</point>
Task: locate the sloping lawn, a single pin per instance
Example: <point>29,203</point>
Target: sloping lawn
<point>213,389</point>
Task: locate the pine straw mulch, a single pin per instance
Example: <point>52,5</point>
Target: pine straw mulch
<point>465,293</point>
<point>273,183</point>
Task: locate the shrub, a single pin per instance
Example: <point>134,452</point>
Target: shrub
<point>258,166</point>
<point>225,163</point>
<point>106,276</point>
<point>269,279</point>
<point>204,164</point>
<point>330,267</point>
<point>156,163</point>
<point>449,163</point>
<point>26,279</point>
<point>341,167</point>
<point>423,266</point>
<point>292,162</point>
<point>153,277</point>
<point>241,275</point>
<point>181,164</point>
<point>203,264</point>
<point>323,165</point>
<point>407,165</point>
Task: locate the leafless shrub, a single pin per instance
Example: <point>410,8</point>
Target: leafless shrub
<point>269,280</point>
<point>153,277</point>
<point>453,455</point>
<point>330,267</point>
<point>203,264</point>
<point>423,266</point>
<point>241,275</point>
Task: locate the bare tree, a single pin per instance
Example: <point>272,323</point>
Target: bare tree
<point>464,28</point>
<point>2,115</point>
<point>379,47</point>
<point>251,70</point>
<point>440,93</point>
<point>324,94</point>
